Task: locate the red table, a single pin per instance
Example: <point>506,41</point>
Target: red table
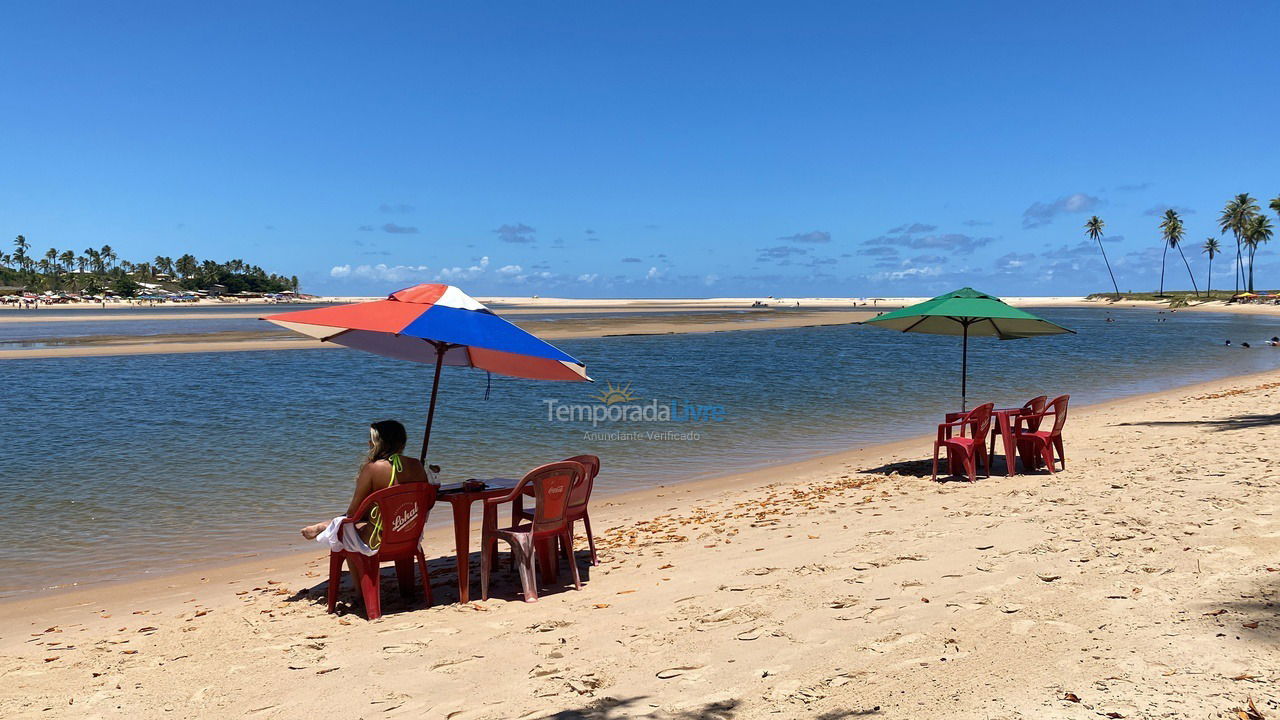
<point>1003,419</point>
<point>461,501</point>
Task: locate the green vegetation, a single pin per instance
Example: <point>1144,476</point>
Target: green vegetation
<point>1167,296</point>
<point>94,271</point>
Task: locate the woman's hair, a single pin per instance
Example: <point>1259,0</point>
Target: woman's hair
<point>386,438</point>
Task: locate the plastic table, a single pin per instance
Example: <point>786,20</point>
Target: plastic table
<point>461,501</point>
<point>1002,418</point>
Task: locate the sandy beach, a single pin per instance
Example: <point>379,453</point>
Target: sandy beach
<point>273,338</point>
<point>1140,583</point>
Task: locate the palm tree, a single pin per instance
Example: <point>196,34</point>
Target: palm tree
<point>1173,231</point>
<point>1169,225</point>
<point>1256,232</point>
<point>21,246</point>
<point>68,259</point>
<point>108,256</point>
<point>1211,248</point>
<point>82,262</point>
<point>1235,216</point>
<point>186,265</point>
<point>1093,229</point>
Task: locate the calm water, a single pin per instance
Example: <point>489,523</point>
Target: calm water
<point>120,465</point>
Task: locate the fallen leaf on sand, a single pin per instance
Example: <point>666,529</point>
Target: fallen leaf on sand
<point>1010,608</point>
<point>1071,697</point>
<point>749,634</point>
<point>600,606</point>
<point>1250,625</point>
<point>1048,577</point>
<point>676,671</point>
<point>1215,613</point>
<point>1250,713</point>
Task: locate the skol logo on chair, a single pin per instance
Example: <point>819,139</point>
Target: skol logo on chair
<point>405,518</point>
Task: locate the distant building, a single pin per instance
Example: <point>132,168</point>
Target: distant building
<point>216,290</point>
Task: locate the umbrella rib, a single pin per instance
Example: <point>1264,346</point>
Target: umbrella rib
<point>327,338</point>
<point>914,324</point>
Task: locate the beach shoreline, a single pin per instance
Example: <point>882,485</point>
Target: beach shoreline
<point>526,304</point>
<point>1125,504</point>
<point>441,537</point>
<point>678,317</point>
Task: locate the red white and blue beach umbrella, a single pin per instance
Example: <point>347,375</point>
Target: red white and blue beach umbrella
<point>437,324</point>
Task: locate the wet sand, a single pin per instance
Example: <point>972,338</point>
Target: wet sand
<point>1140,582</point>
<point>273,338</point>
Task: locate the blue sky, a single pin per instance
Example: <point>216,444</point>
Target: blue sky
<point>641,149</point>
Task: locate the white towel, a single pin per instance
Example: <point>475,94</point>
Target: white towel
<point>340,537</point>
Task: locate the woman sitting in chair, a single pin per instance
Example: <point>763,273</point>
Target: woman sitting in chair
<point>383,467</point>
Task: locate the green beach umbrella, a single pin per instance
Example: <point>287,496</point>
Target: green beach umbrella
<point>967,312</point>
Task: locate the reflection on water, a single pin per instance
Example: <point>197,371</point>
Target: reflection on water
<point>119,464</point>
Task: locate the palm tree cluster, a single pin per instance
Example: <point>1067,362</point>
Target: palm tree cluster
<point>1241,216</point>
<point>96,269</point>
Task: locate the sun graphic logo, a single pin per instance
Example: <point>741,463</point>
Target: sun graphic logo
<point>613,394</point>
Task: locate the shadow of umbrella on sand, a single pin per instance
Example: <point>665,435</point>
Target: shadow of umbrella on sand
<point>441,325</point>
<point>967,312</point>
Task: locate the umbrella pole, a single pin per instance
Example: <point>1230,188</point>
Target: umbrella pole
<point>964,370</point>
<point>431,409</point>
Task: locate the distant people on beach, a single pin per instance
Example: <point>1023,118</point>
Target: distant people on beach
<point>1244,345</point>
<point>1274,342</point>
<point>1227,343</point>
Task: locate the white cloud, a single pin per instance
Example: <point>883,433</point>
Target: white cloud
<point>710,279</point>
<point>381,271</point>
<point>911,272</point>
<point>461,273</point>
<point>510,270</point>
<point>588,277</point>
<point>653,274</point>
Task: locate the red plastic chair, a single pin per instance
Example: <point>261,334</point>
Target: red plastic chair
<point>552,489</point>
<point>579,497</point>
<point>1034,406</point>
<point>404,509</point>
<point>1037,446</point>
<point>967,450</point>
